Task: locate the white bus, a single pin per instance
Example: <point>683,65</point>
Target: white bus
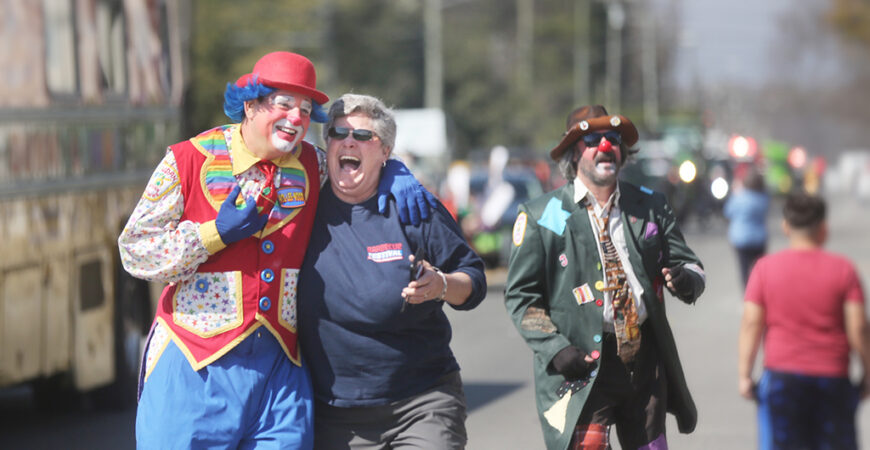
<point>90,95</point>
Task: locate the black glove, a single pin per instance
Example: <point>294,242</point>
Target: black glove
<point>683,283</point>
<point>571,363</point>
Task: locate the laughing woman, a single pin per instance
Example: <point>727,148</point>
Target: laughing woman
<point>375,336</point>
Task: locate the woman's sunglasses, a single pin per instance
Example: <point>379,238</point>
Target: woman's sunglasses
<point>592,140</point>
<point>341,133</point>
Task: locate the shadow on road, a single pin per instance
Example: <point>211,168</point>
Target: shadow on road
<point>80,426</point>
<point>479,394</point>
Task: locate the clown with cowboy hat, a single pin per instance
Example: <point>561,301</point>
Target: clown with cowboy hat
<point>585,289</point>
<point>225,220</point>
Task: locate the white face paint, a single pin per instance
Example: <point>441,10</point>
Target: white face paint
<point>289,131</point>
<point>285,135</point>
<point>286,102</point>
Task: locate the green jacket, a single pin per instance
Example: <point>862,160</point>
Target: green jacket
<point>554,255</point>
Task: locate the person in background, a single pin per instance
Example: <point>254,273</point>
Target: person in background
<point>372,328</point>
<point>585,289</point>
<point>225,221</point>
<point>746,211</point>
<point>807,304</point>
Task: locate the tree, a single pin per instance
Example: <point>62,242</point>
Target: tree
<point>377,47</point>
<point>851,18</point>
<point>228,39</point>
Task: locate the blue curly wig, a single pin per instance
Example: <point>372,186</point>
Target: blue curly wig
<point>235,98</point>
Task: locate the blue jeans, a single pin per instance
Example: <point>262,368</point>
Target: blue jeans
<point>806,412</point>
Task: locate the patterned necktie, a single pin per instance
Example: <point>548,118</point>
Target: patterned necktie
<point>268,195</point>
<point>625,323</point>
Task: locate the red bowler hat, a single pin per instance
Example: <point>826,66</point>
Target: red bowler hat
<point>287,71</point>
<point>591,119</point>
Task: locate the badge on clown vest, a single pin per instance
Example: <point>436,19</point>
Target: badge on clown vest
<point>291,196</point>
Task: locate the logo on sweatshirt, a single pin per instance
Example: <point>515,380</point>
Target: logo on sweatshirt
<point>385,252</point>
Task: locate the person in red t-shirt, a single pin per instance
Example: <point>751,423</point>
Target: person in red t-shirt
<point>809,305</point>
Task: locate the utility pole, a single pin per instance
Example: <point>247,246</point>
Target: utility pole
<point>650,71</point>
<point>433,93</point>
<point>525,39</point>
<point>615,20</point>
<point>325,14</point>
<point>582,12</point>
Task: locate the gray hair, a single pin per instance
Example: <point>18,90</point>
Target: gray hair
<point>567,166</point>
<point>383,120</point>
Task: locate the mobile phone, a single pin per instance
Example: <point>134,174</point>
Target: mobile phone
<point>416,267</point>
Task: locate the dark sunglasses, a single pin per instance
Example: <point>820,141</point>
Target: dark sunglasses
<point>592,139</point>
<point>341,133</point>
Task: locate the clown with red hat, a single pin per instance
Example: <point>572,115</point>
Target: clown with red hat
<point>225,221</point>
<point>585,289</point>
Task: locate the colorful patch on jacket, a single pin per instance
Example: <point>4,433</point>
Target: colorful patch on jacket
<point>292,186</point>
<point>519,232</point>
<point>164,179</point>
<point>554,217</point>
<point>219,179</point>
<point>558,411</point>
<point>583,294</point>
<point>387,252</point>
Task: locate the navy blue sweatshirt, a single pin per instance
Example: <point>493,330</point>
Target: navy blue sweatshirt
<point>360,347</point>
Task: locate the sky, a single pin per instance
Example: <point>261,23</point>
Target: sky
<point>737,41</point>
<point>760,44</point>
<point>726,40</point>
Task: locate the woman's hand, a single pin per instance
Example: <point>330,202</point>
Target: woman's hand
<point>428,286</point>
<point>746,387</point>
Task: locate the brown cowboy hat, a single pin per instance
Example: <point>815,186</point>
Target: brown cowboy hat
<point>287,71</point>
<point>591,119</point>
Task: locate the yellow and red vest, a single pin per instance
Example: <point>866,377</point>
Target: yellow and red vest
<point>252,282</point>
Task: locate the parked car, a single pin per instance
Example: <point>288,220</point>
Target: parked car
<point>493,208</point>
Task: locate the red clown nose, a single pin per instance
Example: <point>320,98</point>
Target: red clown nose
<point>605,146</point>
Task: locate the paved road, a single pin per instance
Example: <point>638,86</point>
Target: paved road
<point>496,364</point>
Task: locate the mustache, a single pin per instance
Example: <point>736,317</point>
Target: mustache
<point>605,157</point>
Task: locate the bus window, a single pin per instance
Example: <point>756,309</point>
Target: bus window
<point>60,47</point>
<point>110,29</point>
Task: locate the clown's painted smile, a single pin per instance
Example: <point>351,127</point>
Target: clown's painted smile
<point>285,135</point>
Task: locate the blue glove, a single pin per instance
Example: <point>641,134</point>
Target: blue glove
<point>235,224</point>
<point>412,198</point>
